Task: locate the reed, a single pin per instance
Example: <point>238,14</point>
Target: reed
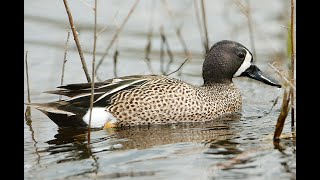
<point>147,49</point>
<point>115,62</point>
<point>165,44</point>
<point>178,67</point>
<point>77,41</point>
<point>64,60</point>
<point>178,31</point>
<point>115,36</point>
<point>250,27</point>
<point>28,110</point>
<point>292,94</point>
<point>162,53</point>
<point>288,98</point>
<point>199,23</point>
<point>87,4</point>
<point>148,65</point>
<point>168,50</point>
<point>246,10</point>
<point>204,19</point>
<point>282,116</point>
<point>282,75</point>
<point>93,66</point>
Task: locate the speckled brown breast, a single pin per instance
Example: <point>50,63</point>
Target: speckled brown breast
<point>163,100</point>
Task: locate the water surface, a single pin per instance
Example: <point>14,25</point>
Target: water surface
<point>224,149</point>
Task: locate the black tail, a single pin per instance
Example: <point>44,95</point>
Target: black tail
<point>62,114</point>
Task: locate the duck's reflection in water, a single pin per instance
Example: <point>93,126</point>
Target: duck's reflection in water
<point>141,137</point>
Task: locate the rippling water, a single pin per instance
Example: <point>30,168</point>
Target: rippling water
<point>224,149</point>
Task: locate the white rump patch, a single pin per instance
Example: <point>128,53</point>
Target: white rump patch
<point>245,65</point>
<point>100,116</point>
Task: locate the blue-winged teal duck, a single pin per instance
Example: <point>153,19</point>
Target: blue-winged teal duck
<point>157,99</point>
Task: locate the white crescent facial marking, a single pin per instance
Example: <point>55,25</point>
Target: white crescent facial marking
<point>245,65</point>
<point>99,117</point>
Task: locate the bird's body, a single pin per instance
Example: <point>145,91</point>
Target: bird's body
<point>163,100</point>
<point>157,99</point>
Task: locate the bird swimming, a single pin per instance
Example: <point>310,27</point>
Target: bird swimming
<point>158,99</point>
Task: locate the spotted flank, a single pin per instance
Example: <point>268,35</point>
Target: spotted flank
<point>157,99</point>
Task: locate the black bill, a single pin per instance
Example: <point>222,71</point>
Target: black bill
<point>254,72</point>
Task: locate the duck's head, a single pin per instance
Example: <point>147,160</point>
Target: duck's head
<point>228,59</point>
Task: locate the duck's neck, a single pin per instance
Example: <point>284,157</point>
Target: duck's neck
<point>210,78</point>
<point>213,75</point>
<point>218,86</point>
<point>211,82</point>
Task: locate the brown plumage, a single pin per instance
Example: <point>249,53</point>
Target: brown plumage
<point>156,99</point>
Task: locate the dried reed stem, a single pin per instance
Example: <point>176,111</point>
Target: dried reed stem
<point>28,110</point>
<point>178,67</point>
<point>93,65</point>
<point>178,31</point>
<point>292,63</point>
<point>282,116</point>
<point>283,76</point>
<point>115,36</point>
<point>147,49</point>
<point>286,98</point>
<point>199,22</point>
<point>64,59</point>
<point>247,12</point>
<point>242,7</point>
<point>250,27</point>
<point>27,73</point>
<point>105,27</point>
<point>206,44</point>
<point>148,64</point>
<point>115,61</point>
<point>76,39</point>
<point>85,3</point>
<point>162,51</point>
<point>166,43</point>
<point>273,105</point>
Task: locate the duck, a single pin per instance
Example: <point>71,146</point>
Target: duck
<point>139,100</point>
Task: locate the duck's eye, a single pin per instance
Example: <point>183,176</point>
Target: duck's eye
<point>241,55</point>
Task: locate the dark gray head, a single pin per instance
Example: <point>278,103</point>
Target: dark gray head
<point>228,59</point>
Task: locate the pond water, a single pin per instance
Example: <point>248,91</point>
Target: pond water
<point>223,149</point>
